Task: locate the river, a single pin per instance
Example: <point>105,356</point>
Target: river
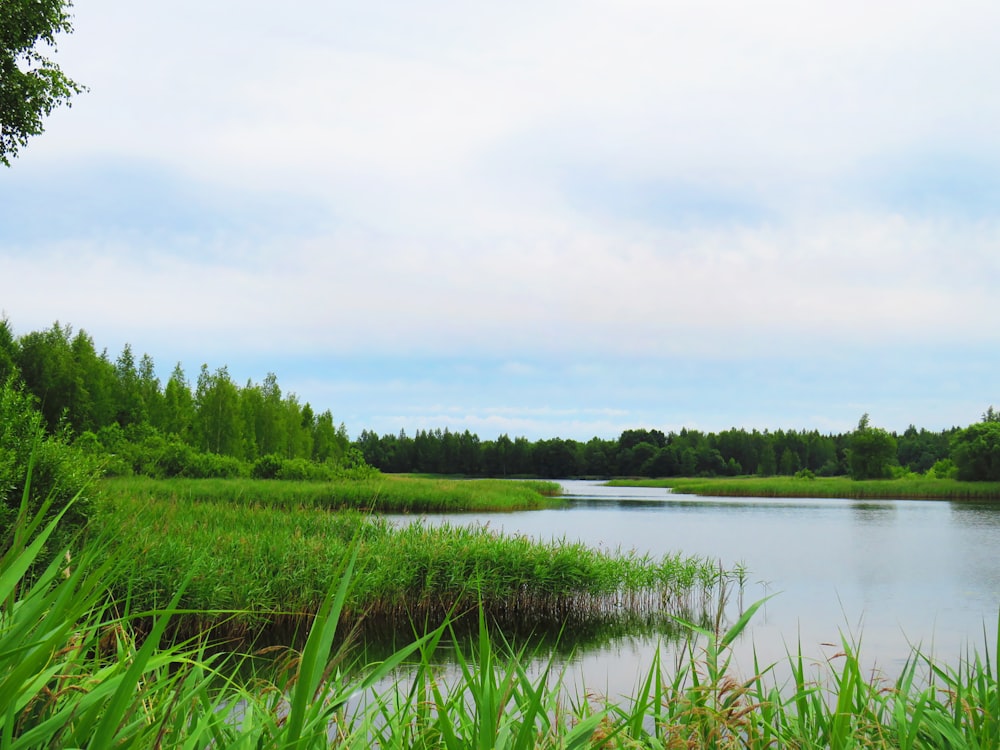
<point>889,574</point>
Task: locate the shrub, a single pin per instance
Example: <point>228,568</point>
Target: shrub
<point>943,469</point>
<point>213,465</point>
<point>266,467</point>
<point>902,472</point>
<point>59,473</point>
<point>300,469</point>
<point>976,452</point>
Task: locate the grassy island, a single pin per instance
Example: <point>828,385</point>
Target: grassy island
<point>382,493</point>
<point>248,555</point>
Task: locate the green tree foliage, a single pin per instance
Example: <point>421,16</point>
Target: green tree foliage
<point>31,85</point>
<point>72,382</point>
<point>821,454</point>
<point>330,444</point>
<point>8,351</point>
<point>58,472</point>
<point>121,414</point>
<point>664,464</point>
<point>596,457</point>
<point>872,451</point>
<point>740,446</point>
<point>790,462</point>
<point>150,393</point>
<point>687,453</point>
<point>218,428</point>
<point>45,359</point>
<point>178,405</point>
<point>976,451</point>
<point>297,427</point>
<point>768,465</point>
<point>94,405</point>
<point>631,438</point>
<point>632,457</point>
<point>272,428</point>
<point>130,406</point>
<point>375,449</point>
<point>557,458</point>
<point>919,450</point>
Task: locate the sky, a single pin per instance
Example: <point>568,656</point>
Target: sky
<point>539,218</point>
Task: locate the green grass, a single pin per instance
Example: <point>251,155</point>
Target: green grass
<point>384,494</point>
<point>75,672</point>
<point>831,487</point>
<point>256,566</point>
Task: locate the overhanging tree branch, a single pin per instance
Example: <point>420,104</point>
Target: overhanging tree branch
<point>31,85</point>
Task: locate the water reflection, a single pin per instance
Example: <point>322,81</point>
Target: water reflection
<point>568,641</point>
<point>890,572</point>
<point>976,514</point>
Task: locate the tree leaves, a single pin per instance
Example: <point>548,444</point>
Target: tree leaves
<point>872,451</point>
<point>31,85</point>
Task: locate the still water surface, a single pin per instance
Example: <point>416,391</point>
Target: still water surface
<point>887,573</point>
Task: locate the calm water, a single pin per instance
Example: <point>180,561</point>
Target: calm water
<point>888,573</point>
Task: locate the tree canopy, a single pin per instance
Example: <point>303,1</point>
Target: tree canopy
<point>872,452</point>
<point>31,85</point>
<point>976,450</point>
<point>117,408</point>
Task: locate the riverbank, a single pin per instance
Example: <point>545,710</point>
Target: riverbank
<point>823,487</point>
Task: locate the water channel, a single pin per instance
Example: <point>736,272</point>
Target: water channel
<point>889,574</point>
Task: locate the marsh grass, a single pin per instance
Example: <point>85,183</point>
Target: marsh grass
<point>74,673</point>
<point>825,487</point>
<point>246,568</point>
<point>382,494</point>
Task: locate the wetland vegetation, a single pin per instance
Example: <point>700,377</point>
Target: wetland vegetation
<point>916,488</point>
<point>256,563</point>
<point>227,511</point>
<point>80,668</point>
<point>119,412</point>
<point>377,493</point>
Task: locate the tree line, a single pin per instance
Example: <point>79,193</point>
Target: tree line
<point>212,427</point>
<point>867,452</point>
<point>118,409</point>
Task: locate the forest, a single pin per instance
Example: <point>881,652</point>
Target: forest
<point>647,453</point>
<point>214,427</point>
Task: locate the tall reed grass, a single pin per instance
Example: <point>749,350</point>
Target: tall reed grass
<point>382,494</point>
<point>827,487</point>
<point>253,567</point>
<point>73,673</point>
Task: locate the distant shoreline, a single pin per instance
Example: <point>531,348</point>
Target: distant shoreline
<point>823,487</point>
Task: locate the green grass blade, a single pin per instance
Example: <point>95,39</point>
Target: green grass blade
<point>740,625</point>
<point>105,734</point>
<point>317,651</point>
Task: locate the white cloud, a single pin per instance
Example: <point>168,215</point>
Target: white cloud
<point>851,278</point>
<point>395,96</point>
<point>562,179</point>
